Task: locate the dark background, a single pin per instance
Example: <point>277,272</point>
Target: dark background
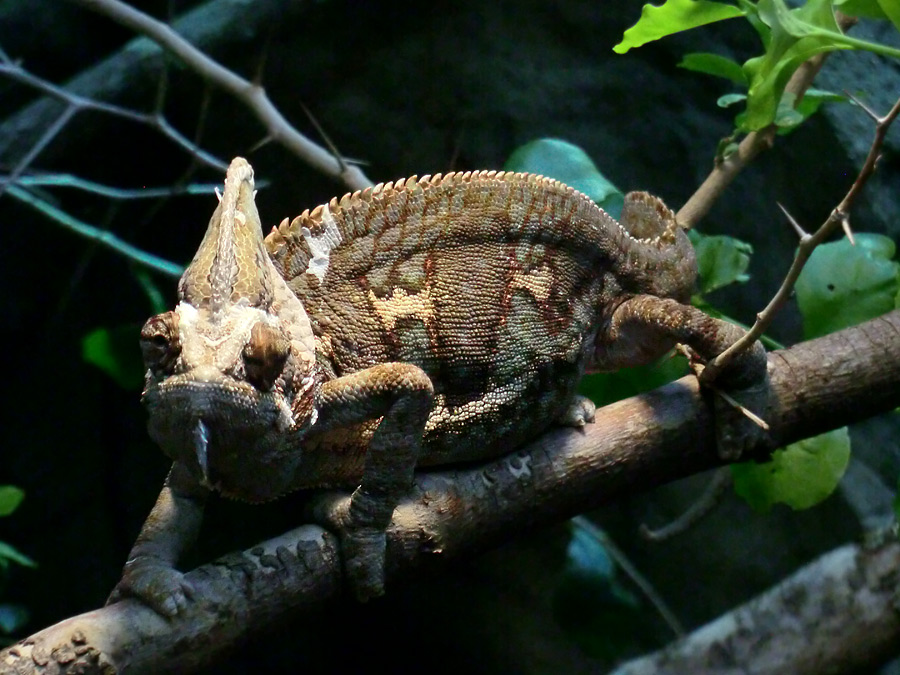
<point>405,89</point>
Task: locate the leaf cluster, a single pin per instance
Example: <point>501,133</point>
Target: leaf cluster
<point>12,616</point>
<point>789,37</point>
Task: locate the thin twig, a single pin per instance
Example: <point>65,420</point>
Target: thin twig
<point>72,181</point>
<point>46,138</point>
<point>724,172</point>
<point>632,572</point>
<point>78,103</point>
<point>699,509</point>
<point>101,236</point>
<point>250,94</point>
<point>838,217</point>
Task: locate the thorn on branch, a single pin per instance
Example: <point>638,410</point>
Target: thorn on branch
<point>264,141</point>
<point>261,62</point>
<point>844,219</point>
<point>326,138</point>
<point>803,234</point>
<point>871,113</point>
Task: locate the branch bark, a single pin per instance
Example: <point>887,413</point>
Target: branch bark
<point>635,444</point>
<point>836,615</point>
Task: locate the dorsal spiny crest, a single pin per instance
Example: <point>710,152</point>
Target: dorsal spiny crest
<point>647,217</point>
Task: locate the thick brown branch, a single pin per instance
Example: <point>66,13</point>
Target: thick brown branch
<point>634,445</point>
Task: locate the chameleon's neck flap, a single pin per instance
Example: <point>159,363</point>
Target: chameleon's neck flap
<point>231,266</point>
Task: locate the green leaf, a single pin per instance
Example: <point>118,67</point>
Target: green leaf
<point>587,554</point>
<point>800,475</point>
<point>570,164</point>
<point>843,285</point>
<point>714,64</point>
<point>672,17</point>
<point>730,99</point>
<point>873,9</point>
<point>7,552</point>
<point>606,388</point>
<point>115,352</point>
<point>796,35</point>
<point>13,617</point>
<point>10,498</point>
<point>721,260</point>
<point>789,116</point>
<point>891,9</point>
<point>792,42</point>
<point>867,8</point>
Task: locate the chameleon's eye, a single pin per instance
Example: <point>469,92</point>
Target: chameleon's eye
<point>264,355</point>
<point>159,341</point>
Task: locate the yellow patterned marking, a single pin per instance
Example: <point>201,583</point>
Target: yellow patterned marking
<point>538,282</point>
<point>403,305</point>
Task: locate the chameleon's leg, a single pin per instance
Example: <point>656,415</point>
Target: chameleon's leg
<point>402,395</point>
<point>171,527</point>
<point>646,321</point>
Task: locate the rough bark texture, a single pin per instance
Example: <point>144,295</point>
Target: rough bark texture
<point>634,445</point>
<point>836,615</point>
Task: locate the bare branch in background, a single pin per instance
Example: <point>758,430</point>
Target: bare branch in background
<point>252,95</point>
<point>92,233</point>
<point>75,103</point>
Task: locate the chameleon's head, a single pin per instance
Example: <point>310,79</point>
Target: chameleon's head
<point>231,371</point>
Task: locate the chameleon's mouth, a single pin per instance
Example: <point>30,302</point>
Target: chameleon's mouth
<point>223,403</point>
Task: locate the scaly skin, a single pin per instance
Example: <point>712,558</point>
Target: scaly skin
<point>423,322</point>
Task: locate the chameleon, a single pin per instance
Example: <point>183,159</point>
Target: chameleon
<point>426,322</point>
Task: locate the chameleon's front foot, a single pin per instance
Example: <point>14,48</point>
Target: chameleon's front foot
<point>155,583</point>
<point>361,526</point>
<point>363,551</point>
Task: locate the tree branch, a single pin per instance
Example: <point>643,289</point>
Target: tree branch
<point>726,170</point>
<point>836,615</point>
<point>839,216</point>
<point>635,444</point>
<point>214,26</point>
<point>249,93</point>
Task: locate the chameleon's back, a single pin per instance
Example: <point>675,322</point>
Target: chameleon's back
<point>492,283</point>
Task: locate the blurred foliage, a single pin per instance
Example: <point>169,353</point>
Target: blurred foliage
<point>568,164</point>
<point>12,616</point>
<point>843,285</point>
<point>800,475</point>
<point>789,36</point>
